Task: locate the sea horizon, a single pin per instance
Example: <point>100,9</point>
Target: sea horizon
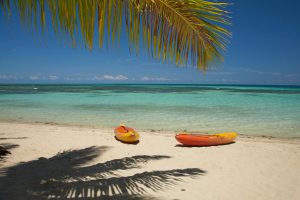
<point>138,83</point>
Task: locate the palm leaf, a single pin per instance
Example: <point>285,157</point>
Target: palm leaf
<point>178,31</point>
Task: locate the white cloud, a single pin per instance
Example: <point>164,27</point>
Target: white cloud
<point>78,77</point>
<point>291,75</point>
<point>118,77</point>
<point>72,78</point>
<point>42,77</point>
<point>34,77</point>
<point>146,78</point>
<point>8,77</point>
<point>96,78</point>
<point>52,77</point>
<point>108,77</point>
<point>121,77</point>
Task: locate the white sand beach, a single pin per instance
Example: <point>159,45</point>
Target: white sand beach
<point>97,166</point>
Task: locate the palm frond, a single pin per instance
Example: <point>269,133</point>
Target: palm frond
<point>5,6</point>
<point>182,30</point>
<point>177,31</point>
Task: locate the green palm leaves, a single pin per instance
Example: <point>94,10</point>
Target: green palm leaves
<point>177,31</point>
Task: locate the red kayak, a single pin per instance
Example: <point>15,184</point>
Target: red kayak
<point>205,140</point>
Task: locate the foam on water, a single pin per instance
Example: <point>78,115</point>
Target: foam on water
<point>249,110</point>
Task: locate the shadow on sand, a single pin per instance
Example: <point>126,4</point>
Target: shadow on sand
<point>182,145</point>
<point>66,176</point>
<point>5,150</point>
<point>129,143</point>
<point>6,147</point>
<point>13,138</point>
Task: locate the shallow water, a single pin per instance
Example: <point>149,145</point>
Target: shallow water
<point>249,110</point>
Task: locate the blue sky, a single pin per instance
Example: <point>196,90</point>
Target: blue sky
<point>264,49</point>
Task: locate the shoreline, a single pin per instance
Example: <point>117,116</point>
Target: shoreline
<point>250,168</point>
<point>152,131</point>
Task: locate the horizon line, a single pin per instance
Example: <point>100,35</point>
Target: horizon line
<point>204,84</point>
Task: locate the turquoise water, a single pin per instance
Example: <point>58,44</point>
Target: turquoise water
<point>249,110</point>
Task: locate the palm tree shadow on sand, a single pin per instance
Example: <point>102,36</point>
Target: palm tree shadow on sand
<point>66,176</point>
<point>6,147</point>
<point>5,150</point>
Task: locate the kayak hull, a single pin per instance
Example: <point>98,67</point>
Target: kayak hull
<point>206,140</point>
<point>126,134</point>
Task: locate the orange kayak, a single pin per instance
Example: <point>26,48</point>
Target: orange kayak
<point>205,140</point>
<point>126,134</point>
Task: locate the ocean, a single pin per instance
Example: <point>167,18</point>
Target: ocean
<point>248,110</point>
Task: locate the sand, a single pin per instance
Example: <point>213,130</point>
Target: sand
<point>93,165</point>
